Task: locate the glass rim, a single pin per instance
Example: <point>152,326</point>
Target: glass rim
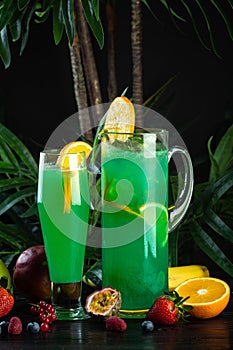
<point>57,152</point>
<point>146,132</point>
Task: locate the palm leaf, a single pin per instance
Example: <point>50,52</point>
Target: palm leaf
<point>15,198</point>
<point>210,248</point>
<point>21,150</point>
<point>224,16</point>
<point>14,183</point>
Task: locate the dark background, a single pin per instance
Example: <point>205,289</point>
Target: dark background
<point>36,91</point>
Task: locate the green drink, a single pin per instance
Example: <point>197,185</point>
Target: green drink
<point>63,204</point>
<point>135,221</point>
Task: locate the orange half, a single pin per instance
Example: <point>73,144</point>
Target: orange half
<point>207,295</point>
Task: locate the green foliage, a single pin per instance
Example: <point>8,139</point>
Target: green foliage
<point>198,11</point>
<point>16,16</point>
<point>18,185</point>
<point>209,220</point>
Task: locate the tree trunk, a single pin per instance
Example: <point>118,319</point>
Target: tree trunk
<point>111,23</point>
<point>91,75</point>
<point>136,42</point>
<point>84,125</point>
<point>78,76</point>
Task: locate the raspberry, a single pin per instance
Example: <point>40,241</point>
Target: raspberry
<point>115,323</point>
<point>15,326</point>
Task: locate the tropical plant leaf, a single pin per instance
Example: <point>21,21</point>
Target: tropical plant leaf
<point>209,26</point>
<point>14,234</point>
<point>94,22</point>
<point>7,155</point>
<point>7,11</point>
<point>58,25</point>
<point>68,17</point>
<point>145,2</point>
<point>218,225</point>
<point>214,164</point>
<point>16,182</point>
<point>210,248</point>
<point>224,17</point>
<point>7,239</point>
<point>216,190</point>
<point>195,26</point>
<point>15,143</point>
<point>15,198</point>
<point>42,16</point>
<point>5,48</point>
<point>150,102</point>
<point>25,24</point>
<point>222,156</point>
<point>6,168</point>
<point>95,4</point>
<point>15,29</point>
<point>22,4</point>
<point>31,211</point>
<point>171,10</point>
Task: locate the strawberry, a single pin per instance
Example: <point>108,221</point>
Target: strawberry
<point>168,309</point>
<point>6,299</point>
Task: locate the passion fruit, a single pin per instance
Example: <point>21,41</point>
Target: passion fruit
<point>31,274</point>
<point>104,302</point>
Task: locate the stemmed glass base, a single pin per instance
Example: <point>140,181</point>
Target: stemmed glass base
<point>66,299</point>
<point>71,314</point>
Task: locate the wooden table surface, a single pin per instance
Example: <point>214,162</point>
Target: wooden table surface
<point>211,334</point>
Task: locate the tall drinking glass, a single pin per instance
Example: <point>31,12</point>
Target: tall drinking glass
<point>63,204</point>
<point>135,220</point>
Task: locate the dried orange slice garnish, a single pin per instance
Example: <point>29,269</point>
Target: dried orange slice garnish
<point>64,162</point>
<point>207,295</point>
<point>120,118</point>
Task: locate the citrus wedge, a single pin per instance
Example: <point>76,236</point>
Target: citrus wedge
<point>120,118</point>
<point>71,148</point>
<point>207,295</point>
<point>64,162</point>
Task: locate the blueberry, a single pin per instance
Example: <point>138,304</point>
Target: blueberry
<point>33,327</point>
<point>147,326</point>
<point>4,327</point>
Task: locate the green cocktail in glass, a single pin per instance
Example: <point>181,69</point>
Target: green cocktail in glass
<point>134,182</point>
<point>63,204</point>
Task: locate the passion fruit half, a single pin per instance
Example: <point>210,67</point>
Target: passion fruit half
<point>104,302</point>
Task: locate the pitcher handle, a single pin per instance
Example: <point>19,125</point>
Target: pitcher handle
<point>185,185</point>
